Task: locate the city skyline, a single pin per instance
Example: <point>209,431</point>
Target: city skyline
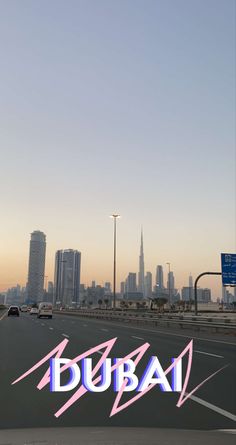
<point>161,275</point>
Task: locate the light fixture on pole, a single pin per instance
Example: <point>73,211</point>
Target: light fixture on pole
<point>114,216</point>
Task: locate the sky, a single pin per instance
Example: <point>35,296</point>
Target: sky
<point>118,106</point>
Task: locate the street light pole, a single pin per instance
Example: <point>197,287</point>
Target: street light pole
<point>114,216</point>
<point>46,282</point>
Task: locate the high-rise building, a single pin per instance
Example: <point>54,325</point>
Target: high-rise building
<point>187,293</point>
<point>190,281</point>
<point>67,277</point>
<point>148,285</point>
<point>49,293</point>
<point>159,277</point>
<point>15,295</point>
<point>171,285</point>
<point>35,285</point>
<point>141,281</point>
<point>203,295</point>
<point>107,287</point>
<point>130,284</point>
<point>224,294</point>
<point>122,287</point>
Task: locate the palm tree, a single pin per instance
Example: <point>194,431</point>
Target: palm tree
<point>106,301</point>
<point>160,302</point>
<point>123,304</point>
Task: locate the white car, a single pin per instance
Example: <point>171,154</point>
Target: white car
<point>34,311</point>
<point>45,310</point>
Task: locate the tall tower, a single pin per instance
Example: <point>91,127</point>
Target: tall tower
<point>141,281</point>
<point>190,281</point>
<point>171,284</point>
<point>159,277</point>
<point>148,285</point>
<point>36,266</point>
<point>67,277</point>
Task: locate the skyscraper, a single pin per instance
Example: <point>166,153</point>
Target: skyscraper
<point>190,281</point>
<point>131,283</point>
<point>107,287</point>
<point>148,285</point>
<point>67,277</point>
<point>122,288</point>
<point>36,270</point>
<point>141,281</point>
<point>171,285</point>
<point>159,277</point>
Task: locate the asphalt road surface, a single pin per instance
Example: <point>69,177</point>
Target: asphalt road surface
<point>25,340</point>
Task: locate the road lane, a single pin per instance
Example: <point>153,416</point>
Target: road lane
<point>24,341</point>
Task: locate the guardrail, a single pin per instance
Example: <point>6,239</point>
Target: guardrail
<point>192,322</point>
<point>153,314</point>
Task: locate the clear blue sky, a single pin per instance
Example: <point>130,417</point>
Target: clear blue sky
<point>118,105</point>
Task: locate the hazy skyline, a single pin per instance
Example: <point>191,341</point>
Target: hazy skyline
<point>122,106</point>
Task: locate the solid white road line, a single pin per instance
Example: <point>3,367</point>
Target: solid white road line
<point>4,315</point>
<point>157,331</point>
<point>139,338</point>
<point>228,431</point>
<point>208,353</point>
<point>218,410</point>
<point>65,335</point>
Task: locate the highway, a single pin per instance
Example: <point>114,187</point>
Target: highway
<point>25,340</point>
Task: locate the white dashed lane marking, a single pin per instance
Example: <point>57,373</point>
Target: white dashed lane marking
<point>138,338</point>
<point>65,335</point>
<point>209,353</point>
<point>218,410</point>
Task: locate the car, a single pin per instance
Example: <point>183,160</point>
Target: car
<point>13,310</point>
<point>23,308</point>
<point>34,311</point>
<point>45,309</point>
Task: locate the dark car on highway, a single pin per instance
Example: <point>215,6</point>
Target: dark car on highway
<point>13,310</point>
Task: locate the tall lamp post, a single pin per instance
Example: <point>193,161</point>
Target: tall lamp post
<point>169,283</point>
<point>114,216</point>
<point>46,282</point>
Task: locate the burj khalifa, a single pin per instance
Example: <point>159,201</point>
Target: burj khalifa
<point>141,286</point>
